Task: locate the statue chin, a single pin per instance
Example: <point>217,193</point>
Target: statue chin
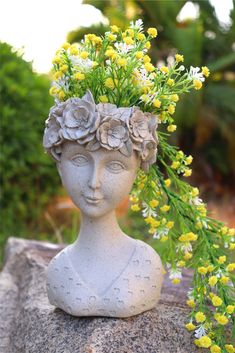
<point>134,289</point>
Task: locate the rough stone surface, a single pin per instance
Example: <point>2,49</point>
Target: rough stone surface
<point>29,324</point>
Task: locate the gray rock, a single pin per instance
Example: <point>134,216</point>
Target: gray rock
<point>29,324</point>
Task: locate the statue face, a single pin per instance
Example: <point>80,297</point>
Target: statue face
<point>96,181</point>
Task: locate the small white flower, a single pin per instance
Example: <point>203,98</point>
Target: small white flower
<point>123,48</point>
<point>186,247</point>
<point>201,331</point>
<point>137,24</point>
<point>147,211</point>
<point>175,273</point>
<point>62,83</point>
<point>160,233</point>
<point>181,68</point>
<point>195,74</point>
<point>82,64</point>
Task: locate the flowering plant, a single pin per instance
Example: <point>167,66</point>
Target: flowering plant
<point>117,70</point>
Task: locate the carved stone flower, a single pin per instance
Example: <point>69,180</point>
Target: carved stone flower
<point>141,126</point>
<point>112,134</point>
<point>111,111</point>
<point>52,135</point>
<point>80,119</point>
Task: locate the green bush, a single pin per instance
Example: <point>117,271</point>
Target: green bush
<point>28,176</point>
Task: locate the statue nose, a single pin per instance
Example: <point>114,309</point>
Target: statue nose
<point>94,178</point>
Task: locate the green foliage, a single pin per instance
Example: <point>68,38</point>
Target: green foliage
<point>202,41</point>
<point>28,176</point>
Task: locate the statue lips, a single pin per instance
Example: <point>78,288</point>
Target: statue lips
<point>92,200</point>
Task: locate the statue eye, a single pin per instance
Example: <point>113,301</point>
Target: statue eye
<point>79,160</point>
<point>115,167</point>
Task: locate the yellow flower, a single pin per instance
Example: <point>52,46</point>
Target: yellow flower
<point>157,103</point>
<point>171,128</point>
<point>74,49</point>
<point>180,155</point>
<point>230,309</point>
<point>221,319</point>
<point>202,270</point>
<point>152,32</point>
<point>66,46</point>
<point>131,32</point>
<point>217,301</point>
<point>188,160</point>
<point>112,37</point>
<point>56,60</point>
<point>164,238</point>
<point>195,192</point>
<point>224,230</point>
<point>179,58</point>
<point>231,246</point>
<point>171,109</point>
<point>149,220</point>
<point>175,280</point>
<point>139,54</point>
<point>221,259</point>
<point>188,256</point>
<point>103,99</point>
<point>170,82</point>
<point>141,36</point>
<point>190,326</point>
<point>175,165</point>
<point>135,207</point>
<point>174,97</point>
<point>200,317</point>
<point>146,59</point>
<point>114,29</point>
<point>149,67</point>
<point>153,203</point>
<point>148,45</point>
<point>197,84</point>
<point>212,280</point>
<point>53,90</point>
<point>204,342</point>
<point>128,40</point>
<point>170,224</point>
<point>64,68</point>
<point>181,263</point>
<point>165,208</point>
<point>164,69</point>
<point>231,232</point>
<point>215,349</point>
<point>167,182</point>
<point>84,54</point>
<point>229,348</point>
<point>205,71</point>
<point>79,76</point>
<point>110,53</point>
<point>58,74</point>
<point>187,172</point>
<point>109,83</point>
<point>122,62</point>
<point>61,95</point>
<point>190,303</point>
<point>224,280</point>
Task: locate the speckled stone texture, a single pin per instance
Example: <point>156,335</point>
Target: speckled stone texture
<point>29,324</point>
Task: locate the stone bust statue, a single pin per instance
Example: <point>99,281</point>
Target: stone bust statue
<point>98,150</point>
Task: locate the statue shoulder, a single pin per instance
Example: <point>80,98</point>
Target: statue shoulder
<point>149,258</point>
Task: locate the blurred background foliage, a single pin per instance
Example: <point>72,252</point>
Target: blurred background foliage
<point>28,176</point>
<point>32,202</point>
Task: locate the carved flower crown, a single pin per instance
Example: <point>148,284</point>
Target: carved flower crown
<point>128,93</point>
<point>102,125</point>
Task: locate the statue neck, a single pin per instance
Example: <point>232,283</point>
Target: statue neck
<point>99,233</point>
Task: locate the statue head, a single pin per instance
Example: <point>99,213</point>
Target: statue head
<point>98,149</point>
